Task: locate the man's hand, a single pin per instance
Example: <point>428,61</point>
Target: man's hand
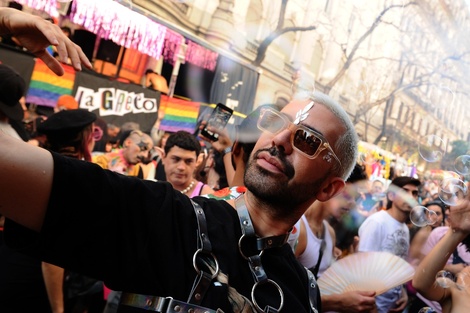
<point>36,34</point>
<point>353,302</point>
<point>223,141</point>
<point>402,302</point>
<point>459,217</point>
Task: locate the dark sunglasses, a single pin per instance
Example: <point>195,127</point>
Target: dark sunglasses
<point>97,133</point>
<point>413,192</point>
<point>305,140</point>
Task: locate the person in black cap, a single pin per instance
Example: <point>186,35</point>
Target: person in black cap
<point>71,132</point>
<point>12,88</point>
<point>386,230</point>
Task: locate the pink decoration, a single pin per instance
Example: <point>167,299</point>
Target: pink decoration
<point>171,47</point>
<point>200,56</point>
<point>48,6</point>
<point>111,20</point>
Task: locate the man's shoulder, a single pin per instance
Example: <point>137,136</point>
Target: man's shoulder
<point>213,204</point>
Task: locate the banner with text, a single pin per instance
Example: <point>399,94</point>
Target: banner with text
<point>117,102</point>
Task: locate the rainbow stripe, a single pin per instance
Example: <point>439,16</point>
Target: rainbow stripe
<point>46,87</point>
<point>179,114</point>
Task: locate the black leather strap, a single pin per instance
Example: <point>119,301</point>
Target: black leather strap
<point>161,304</point>
<point>203,279</point>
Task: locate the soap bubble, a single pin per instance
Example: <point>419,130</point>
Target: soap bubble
<point>445,279</point>
<point>405,196</point>
<point>432,149</point>
<point>421,216</point>
<point>441,98</point>
<point>366,158</point>
<point>462,164</point>
<point>452,191</point>
<point>441,175</point>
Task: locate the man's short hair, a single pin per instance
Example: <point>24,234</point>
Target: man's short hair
<point>148,71</point>
<point>183,140</point>
<point>400,182</point>
<point>405,180</point>
<point>346,146</point>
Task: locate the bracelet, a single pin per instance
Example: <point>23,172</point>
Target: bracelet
<point>226,150</point>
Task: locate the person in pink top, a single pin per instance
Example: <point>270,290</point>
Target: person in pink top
<point>181,158</point>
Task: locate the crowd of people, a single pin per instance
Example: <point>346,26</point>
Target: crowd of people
<point>176,222</point>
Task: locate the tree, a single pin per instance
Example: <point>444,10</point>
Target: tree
<point>411,73</point>
<point>278,31</point>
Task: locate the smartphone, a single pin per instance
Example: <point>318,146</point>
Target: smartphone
<point>218,119</point>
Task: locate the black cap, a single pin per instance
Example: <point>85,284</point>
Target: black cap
<point>66,121</point>
<point>405,180</point>
<point>12,88</point>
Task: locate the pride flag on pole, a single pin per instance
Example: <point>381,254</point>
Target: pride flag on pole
<point>179,114</point>
<point>46,87</point>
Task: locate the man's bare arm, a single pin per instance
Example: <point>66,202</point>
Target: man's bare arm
<point>25,181</point>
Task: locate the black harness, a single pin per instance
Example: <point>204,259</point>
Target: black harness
<point>204,278</point>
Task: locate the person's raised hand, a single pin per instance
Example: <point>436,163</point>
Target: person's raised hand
<point>459,216</point>
<point>37,34</point>
<point>358,301</point>
<point>223,141</point>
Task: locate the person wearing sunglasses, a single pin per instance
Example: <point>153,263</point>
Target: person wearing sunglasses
<point>387,230</point>
<point>26,283</point>
<point>165,249</point>
<point>131,157</point>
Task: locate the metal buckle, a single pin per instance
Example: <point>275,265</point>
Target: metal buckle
<point>161,304</point>
<point>176,306</point>
<point>145,302</point>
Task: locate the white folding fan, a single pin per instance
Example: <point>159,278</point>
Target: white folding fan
<point>365,271</point>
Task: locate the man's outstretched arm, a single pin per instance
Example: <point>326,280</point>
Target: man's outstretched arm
<point>26,175</point>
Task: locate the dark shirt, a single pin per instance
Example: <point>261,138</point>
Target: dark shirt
<point>141,236</point>
<point>22,287</point>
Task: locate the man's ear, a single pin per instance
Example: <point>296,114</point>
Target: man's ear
<point>127,142</point>
<point>199,159</point>
<point>237,149</point>
<point>330,188</point>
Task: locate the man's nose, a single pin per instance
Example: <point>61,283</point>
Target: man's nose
<point>283,140</point>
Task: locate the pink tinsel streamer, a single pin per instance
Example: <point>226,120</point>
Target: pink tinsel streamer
<point>111,20</point>
<point>200,56</point>
<point>171,46</point>
<point>48,6</point>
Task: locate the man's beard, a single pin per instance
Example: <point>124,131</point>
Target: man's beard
<point>281,193</point>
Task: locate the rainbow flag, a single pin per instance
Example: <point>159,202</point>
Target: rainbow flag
<point>46,87</point>
<point>179,114</point>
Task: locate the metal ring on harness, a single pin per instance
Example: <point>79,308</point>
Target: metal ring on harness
<point>240,247</point>
<point>267,281</point>
<point>214,275</point>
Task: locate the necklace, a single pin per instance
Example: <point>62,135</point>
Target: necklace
<point>317,230</point>
<point>185,190</point>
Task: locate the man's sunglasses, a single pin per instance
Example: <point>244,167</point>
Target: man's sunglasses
<point>305,140</point>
